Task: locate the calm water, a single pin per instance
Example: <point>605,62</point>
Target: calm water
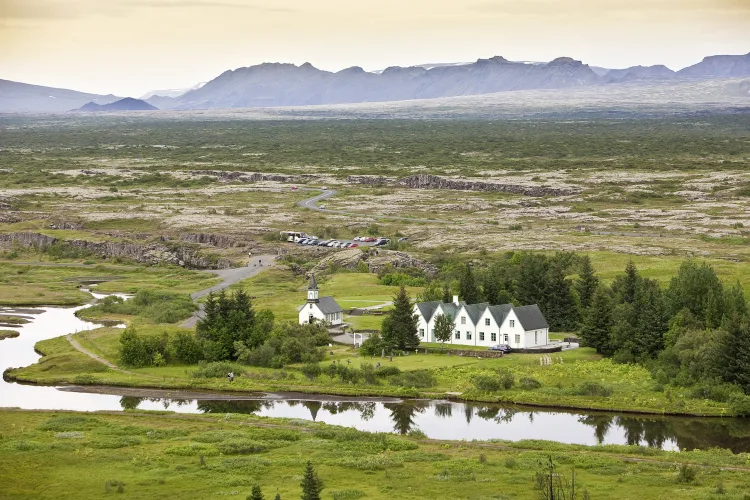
<point>437,419</point>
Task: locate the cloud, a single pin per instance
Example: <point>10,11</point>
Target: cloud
<point>75,9</point>
<point>557,8</point>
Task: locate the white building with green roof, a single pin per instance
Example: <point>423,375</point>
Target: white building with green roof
<point>485,325</point>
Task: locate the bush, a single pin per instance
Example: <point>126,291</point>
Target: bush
<point>387,371</point>
<point>686,474</point>
<point>402,279</point>
<point>373,346</point>
<point>593,389</point>
<point>487,383</point>
<point>530,383</point>
<point>311,371</point>
<point>186,348</point>
<point>740,404</point>
<point>215,369</point>
<point>157,306</point>
<point>419,379</point>
<point>506,379</point>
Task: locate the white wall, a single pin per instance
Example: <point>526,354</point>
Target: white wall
<point>422,325</point>
<point>488,330</point>
<point>305,312</point>
<point>512,331</point>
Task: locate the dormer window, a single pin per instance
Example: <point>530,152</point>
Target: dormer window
<point>463,320</point>
<point>486,321</point>
<point>512,323</point>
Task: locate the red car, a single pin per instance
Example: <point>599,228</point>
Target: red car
<point>369,239</point>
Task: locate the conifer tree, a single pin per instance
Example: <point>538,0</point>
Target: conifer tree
<point>468,290</point>
<point>734,302</point>
<point>311,484</point>
<point>598,322</point>
<point>651,320</point>
<point>447,296</point>
<point>531,279</point>
<point>558,303</point>
<point>399,328</point>
<point>257,494</point>
<point>626,286</point>
<point>737,352</point>
<point>491,286</point>
<point>277,497</point>
<point>587,282</point>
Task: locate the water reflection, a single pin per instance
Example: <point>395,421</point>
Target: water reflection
<point>448,420</point>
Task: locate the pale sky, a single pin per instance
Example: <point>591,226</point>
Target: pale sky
<point>127,47</point>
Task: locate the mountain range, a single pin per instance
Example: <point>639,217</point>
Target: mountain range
<point>277,84</point>
<point>127,104</point>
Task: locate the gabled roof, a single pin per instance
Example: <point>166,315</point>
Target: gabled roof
<point>328,306</point>
<point>531,317</point>
<point>450,309</point>
<point>500,312</point>
<point>427,309</point>
<point>475,311</point>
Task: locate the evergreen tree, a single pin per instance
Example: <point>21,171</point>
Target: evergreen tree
<point>737,352</point>
<point>257,494</point>
<point>468,290</point>
<point>230,319</point>
<point>443,329</point>
<point>691,288</point>
<point>714,309</point>
<point>399,328</point>
<point>587,282</point>
<point>651,319</point>
<point>734,302</point>
<point>491,286</point>
<point>277,497</point>
<point>311,484</point>
<point>598,322</point>
<point>531,279</point>
<point>558,303</point>
<point>447,296</point>
<point>626,286</point>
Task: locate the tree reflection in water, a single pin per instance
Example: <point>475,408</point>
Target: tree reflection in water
<point>130,402</point>
<point>403,413</point>
<point>243,406</point>
<point>600,423</point>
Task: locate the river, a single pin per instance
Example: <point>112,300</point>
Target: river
<point>436,419</point>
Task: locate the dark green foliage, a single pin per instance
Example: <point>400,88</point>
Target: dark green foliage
<point>531,280</point>
<point>697,289</point>
<point>311,484</point>
<point>157,306</point>
<point>686,474</point>
<point>587,283</point>
<point>373,346</point>
<point>277,497</point>
<point>529,383</point>
<point>257,494</point>
<point>216,369</point>
<point>138,351</point>
<point>419,379</point>
<point>229,319</point>
<point>625,285</point>
<point>186,348</point>
<point>311,371</point>
<point>468,290</point>
<point>593,389</point>
<point>447,296</point>
<point>558,303</point>
<point>443,329</point>
<point>401,279</point>
<point>494,382</point>
<point>288,343</point>
<point>598,322</point>
<point>399,328</point>
<point>737,352</point>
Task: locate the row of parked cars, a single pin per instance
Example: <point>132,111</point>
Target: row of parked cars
<point>315,241</point>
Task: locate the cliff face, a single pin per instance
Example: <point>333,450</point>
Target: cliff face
<point>185,256</point>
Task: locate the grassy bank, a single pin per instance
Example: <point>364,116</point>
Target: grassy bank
<point>203,456</point>
<point>8,334</point>
<point>577,379</point>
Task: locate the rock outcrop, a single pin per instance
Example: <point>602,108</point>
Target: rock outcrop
<point>185,256</point>
<point>234,176</point>
<point>215,240</point>
<point>377,260</point>
<point>427,181</point>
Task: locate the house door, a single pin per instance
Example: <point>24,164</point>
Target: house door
<point>311,319</point>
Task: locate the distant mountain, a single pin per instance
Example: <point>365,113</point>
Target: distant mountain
<point>272,84</point>
<point>718,67</point>
<point>18,97</point>
<point>170,92</point>
<point>659,72</point>
<point>127,104</point>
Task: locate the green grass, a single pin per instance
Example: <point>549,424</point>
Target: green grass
<point>8,334</point>
<point>52,454</point>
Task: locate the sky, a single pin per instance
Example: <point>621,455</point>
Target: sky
<point>128,47</point>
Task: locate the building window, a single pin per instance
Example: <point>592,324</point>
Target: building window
<point>463,320</point>
<point>512,323</point>
<point>458,335</point>
<point>468,335</point>
<point>493,337</point>
<point>536,340</point>
<point>505,338</point>
<point>518,339</point>
<point>481,336</point>
<point>486,321</point>
<point>421,332</point>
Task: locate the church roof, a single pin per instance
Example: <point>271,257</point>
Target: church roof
<point>328,305</point>
<point>313,284</point>
<point>427,309</point>
<point>531,317</point>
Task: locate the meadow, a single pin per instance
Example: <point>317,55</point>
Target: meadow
<point>161,454</point>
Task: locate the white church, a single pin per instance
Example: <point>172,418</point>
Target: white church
<point>485,325</point>
<point>320,309</point>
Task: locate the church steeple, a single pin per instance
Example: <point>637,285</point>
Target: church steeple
<point>312,291</point>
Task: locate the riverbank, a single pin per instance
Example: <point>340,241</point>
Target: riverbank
<point>568,383</point>
<point>157,455</point>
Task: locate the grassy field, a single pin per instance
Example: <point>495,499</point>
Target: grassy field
<point>203,456</point>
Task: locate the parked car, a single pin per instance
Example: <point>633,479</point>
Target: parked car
<point>322,207</point>
<point>382,242</point>
<point>505,349</point>
<point>369,239</point>
<point>403,239</point>
<point>357,238</point>
<point>323,243</point>
<point>353,245</point>
<point>303,241</point>
<point>323,188</point>
<point>312,242</point>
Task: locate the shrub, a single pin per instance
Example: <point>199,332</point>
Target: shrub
<point>419,379</point>
<point>686,474</point>
<point>487,383</point>
<point>215,369</point>
<point>387,371</point>
<point>311,371</point>
<point>373,346</point>
<point>530,383</point>
<point>416,433</point>
<point>186,348</point>
<point>368,373</point>
<point>348,494</point>
<point>593,389</point>
<point>506,378</point>
<point>402,279</point>
<point>241,447</point>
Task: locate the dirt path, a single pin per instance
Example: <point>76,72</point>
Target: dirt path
<point>78,347</point>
